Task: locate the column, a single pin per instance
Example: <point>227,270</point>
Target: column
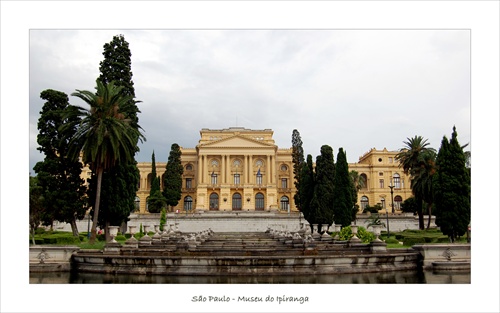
<point>200,170</point>
<point>204,173</point>
<point>268,170</point>
<point>250,169</point>
<point>223,169</point>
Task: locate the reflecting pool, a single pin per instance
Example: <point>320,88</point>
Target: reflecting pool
<point>398,277</point>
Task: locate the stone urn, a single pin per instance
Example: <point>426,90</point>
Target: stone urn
<point>132,232</point>
<point>354,238</point>
<point>337,228</point>
<point>113,231</point>
<point>377,229</point>
<point>146,228</point>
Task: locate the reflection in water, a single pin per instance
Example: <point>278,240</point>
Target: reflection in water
<point>398,277</point>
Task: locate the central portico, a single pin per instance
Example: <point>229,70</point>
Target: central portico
<point>238,169</point>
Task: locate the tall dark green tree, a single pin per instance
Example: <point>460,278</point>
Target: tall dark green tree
<point>156,200</point>
<point>172,184</point>
<point>58,175</point>
<point>306,189</point>
<point>452,189</point>
<point>342,191</point>
<point>36,207</point>
<point>410,158</point>
<point>298,162</point>
<point>120,183</point>
<point>106,137</point>
<point>323,198</point>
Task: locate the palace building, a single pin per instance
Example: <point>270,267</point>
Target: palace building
<point>239,169</point>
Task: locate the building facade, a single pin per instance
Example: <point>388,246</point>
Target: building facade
<point>379,170</point>
<point>239,169</point>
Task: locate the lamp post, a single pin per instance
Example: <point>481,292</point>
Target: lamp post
<point>392,199</point>
<point>387,213</point>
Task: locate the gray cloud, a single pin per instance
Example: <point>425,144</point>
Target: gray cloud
<point>351,89</point>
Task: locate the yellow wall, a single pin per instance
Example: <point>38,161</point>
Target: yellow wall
<point>245,152</point>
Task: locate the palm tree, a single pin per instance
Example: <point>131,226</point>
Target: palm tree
<point>422,180</point>
<point>411,158</point>
<point>105,135</point>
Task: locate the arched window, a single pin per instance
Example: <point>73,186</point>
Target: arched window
<point>382,202</point>
<point>397,202</point>
<point>259,202</point>
<point>236,201</point>
<point>284,203</point>
<point>137,204</point>
<point>364,202</point>
<point>363,181</point>
<point>396,181</point>
<point>188,203</point>
<point>214,201</point>
<point>150,180</point>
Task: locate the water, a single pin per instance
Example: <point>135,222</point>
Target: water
<point>398,277</point>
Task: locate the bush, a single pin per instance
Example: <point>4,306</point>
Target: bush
<point>40,230</point>
<point>372,209</point>
<point>363,234</point>
<point>410,241</point>
<point>120,238</point>
<point>391,240</point>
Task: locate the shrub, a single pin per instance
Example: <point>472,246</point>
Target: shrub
<point>363,234</point>
<point>391,240</point>
<point>410,241</point>
<point>40,230</point>
<point>372,209</point>
<point>345,233</point>
<point>120,238</point>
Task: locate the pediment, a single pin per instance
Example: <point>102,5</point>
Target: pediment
<point>237,141</point>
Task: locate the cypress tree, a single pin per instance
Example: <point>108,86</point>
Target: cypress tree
<point>156,200</point>
<point>119,184</point>
<point>172,185</point>
<point>452,189</point>
<point>323,193</point>
<point>306,189</point>
<point>58,175</point>
<point>343,187</point>
<point>298,162</point>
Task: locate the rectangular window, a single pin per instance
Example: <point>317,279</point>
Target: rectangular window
<point>236,179</point>
<point>397,183</point>
<point>390,160</point>
<point>214,179</point>
<point>189,183</point>
<point>284,183</point>
<point>381,183</point>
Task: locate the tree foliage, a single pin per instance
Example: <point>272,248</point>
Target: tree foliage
<point>412,158</point>
<point>116,67</point>
<point>306,188</point>
<point>58,175</point>
<point>105,135</point>
<point>172,184</point>
<point>342,192</point>
<point>452,189</point>
<point>323,198</point>
<point>156,200</point>
<point>36,205</point>
<point>298,162</point>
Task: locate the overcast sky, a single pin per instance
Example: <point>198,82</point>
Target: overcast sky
<point>356,89</point>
